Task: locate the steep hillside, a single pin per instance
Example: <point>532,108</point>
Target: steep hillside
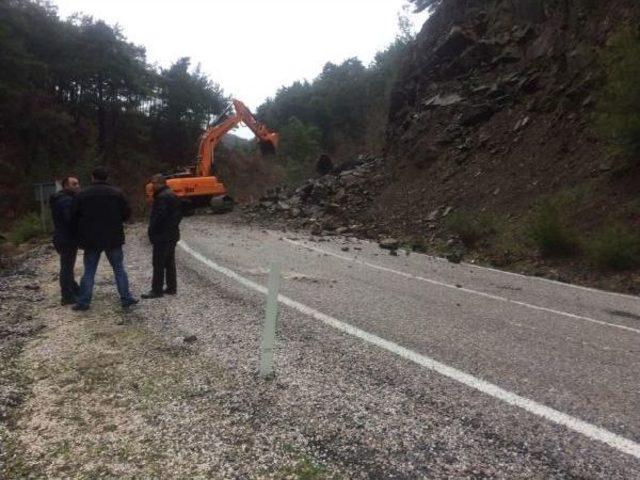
<point>491,150</point>
<point>493,106</point>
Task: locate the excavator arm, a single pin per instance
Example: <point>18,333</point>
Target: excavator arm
<point>267,140</point>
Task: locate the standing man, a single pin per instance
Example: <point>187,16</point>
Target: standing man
<point>164,233</point>
<point>64,238</point>
<point>99,213</point>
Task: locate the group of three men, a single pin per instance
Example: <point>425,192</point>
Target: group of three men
<point>93,220</point>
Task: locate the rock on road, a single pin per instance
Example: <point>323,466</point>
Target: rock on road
<point>556,348</point>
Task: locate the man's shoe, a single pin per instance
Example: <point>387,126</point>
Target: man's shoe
<point>80,308</point>
<point>151,294</point>
<point>129,303</point>
<point>166,291</point>
<point>68,301</point>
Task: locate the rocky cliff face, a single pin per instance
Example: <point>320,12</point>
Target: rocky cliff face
<point>492,108</point>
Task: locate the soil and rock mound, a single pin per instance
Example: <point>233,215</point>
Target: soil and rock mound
<point>331,204</point>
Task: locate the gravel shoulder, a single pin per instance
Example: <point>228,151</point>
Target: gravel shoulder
<point>109,395</point>
<point>112,395</point>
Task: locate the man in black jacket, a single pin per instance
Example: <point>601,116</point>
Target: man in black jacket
<point>64,238</point>
<point>99,213</point>
<point>164,233</point>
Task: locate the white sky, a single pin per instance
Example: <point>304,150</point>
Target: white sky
<point>252,47</point>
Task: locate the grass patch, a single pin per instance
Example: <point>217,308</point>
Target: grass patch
<point>616,247</point>
<point>304,470</point>
<point>25,228</point>
<point>550,232</point>
<point>471,228</point>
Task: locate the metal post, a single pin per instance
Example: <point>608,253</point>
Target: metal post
<point>269,332</point>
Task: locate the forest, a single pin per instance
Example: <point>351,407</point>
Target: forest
<point>75,93</point>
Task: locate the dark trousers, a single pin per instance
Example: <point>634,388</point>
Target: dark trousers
<point>69,288</point>
<point>164,267</point>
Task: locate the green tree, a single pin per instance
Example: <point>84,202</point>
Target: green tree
<point>77,92</point>
<point>188,101</point>
<point>299,149</point>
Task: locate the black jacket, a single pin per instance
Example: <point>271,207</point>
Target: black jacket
<point>99,212</point>
<point>166,213</point>
<point>61,204</point>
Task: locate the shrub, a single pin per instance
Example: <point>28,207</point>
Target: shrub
<point>618,108</point>
<point>615,248</point>
<point>469,227</point>
<point>25,228</point>
<point>550,233</point>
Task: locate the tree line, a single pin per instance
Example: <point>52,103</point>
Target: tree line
<point>75,93</point>
<point>342,112</point>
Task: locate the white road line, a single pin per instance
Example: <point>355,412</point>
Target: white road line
<point>462,289</point>
<point>589,430</point>
<point>514,274</point>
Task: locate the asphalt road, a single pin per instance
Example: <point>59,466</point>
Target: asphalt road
<point>549,369</point>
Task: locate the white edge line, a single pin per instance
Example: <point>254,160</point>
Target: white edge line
<point>506,272</point>
<point>462,289</point>
<point>587,429</point>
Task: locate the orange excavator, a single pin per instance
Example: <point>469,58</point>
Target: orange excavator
<point>195,186</point>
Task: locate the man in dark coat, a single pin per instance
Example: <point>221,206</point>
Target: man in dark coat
<point>99,213</point>
<point>64,238</point>
<point>164,233</point>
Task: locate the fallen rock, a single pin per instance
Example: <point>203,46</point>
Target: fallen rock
<point>455,43</point>
<point>389,244</point>
<point>444,100</point>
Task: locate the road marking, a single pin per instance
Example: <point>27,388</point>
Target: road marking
<point>575,424</point>
<point>513,274</point>
<point>462,289</point>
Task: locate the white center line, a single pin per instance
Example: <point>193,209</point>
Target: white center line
<point>575,424</point>
<point>462,289</point>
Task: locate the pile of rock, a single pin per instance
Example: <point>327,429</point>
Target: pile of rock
<point>332,203</point>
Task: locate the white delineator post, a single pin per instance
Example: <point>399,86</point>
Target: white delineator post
<point>269,331</point>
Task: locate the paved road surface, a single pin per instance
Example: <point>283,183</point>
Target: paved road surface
<point>551,368</point>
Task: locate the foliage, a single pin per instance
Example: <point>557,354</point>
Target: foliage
<point>300,149</point>
<point>347,104</point>
<point>550,232</point>
<point>618,108</point>
<point>25,228</point>
<point>616,247</point>
<point>75,93</point>
<point>471,228</point>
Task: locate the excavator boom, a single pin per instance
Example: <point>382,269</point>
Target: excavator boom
<point>267,140</point>
<point>197,186</point>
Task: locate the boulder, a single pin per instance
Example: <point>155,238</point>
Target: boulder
<point>456,42</point>
<point>444,100</point>
<point>389,243</point>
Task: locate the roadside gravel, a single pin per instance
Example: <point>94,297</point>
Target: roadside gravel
<point>137,401</point>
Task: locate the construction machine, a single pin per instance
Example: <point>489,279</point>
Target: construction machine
<point>196,186</point>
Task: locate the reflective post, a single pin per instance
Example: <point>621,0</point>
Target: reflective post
<point>269,331</point>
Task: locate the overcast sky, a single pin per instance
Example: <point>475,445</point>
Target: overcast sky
<point>252,47</point>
